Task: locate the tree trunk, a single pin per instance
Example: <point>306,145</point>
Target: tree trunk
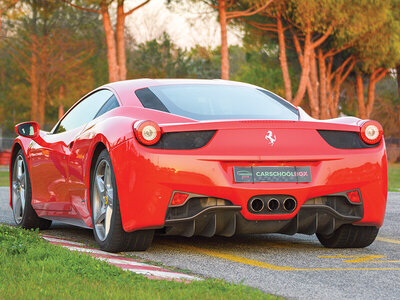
<point>360,96</point>
<point>34,80</point>
<point>283,60</point>
<point>322,87</point>
<point>61,93</point>
<point>42,80</point>
<point>314,84</point>
<point>371,94</point>
<point>110,41</point>
<point>375,77</point>
<point>334,99</point>
<point>398,90</point>
<point>42,100</point>
<point>311,97</point>
<point>329,78</point>
<point>305,71</point>
<point>224,40</point>
<point>314,77</point>
<point>121,54</point>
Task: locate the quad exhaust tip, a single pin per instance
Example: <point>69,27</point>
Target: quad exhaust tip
<point>289,204</point>
<point>257,205</point>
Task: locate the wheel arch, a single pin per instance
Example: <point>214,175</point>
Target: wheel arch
<point>97,149</point>
<point>14,151</point>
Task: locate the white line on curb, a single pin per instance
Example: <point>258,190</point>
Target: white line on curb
<point>122,262</point>
<point>51,239</point>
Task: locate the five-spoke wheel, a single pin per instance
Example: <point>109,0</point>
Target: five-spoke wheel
<point>103,198</point>
<point>106,215</point>
<point>18,189</point>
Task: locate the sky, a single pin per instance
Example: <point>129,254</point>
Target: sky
<point>187,24</point>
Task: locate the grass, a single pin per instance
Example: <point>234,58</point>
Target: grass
<point>4,181</point>
<point>394,177</point>
<point>33,268</point>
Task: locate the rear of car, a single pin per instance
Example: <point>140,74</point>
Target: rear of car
<point>250,162</point>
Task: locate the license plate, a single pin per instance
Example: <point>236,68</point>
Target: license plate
<point>272,174</point>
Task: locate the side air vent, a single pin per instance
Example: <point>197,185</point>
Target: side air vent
<point>185,140</point>
<point>344,139</point>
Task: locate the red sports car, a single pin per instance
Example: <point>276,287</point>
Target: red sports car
<point>199,157</point>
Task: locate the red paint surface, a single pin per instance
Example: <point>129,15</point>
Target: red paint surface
<point>59,164</point>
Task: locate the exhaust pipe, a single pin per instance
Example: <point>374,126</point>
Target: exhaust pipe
<point>257,205</point>
<point>289,204</point>
<point>273,204</point>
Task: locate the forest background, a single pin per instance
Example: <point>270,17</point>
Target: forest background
<point>331,57</point>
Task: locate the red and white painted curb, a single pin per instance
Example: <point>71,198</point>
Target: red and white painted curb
<point>124,263</point>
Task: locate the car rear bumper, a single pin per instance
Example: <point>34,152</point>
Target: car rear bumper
<point>206,216</point>
<point>147,178</point>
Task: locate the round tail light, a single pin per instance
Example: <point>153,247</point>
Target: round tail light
<point>371,132</point>
<point>147,132</point>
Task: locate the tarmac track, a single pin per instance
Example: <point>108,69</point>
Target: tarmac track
<point>290,266</point>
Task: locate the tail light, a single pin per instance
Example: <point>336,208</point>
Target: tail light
<point>371,132</point>
<point>147,132</point>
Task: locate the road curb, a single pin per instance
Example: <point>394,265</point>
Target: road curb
<point>128,264</point>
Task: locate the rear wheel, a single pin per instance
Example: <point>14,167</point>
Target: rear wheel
<point>106,215</point>
<point>23,212</point>
<point>349,236</point>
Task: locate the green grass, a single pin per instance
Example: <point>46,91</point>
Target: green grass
<point>33,268</point>
<point>394,177</point>
<point>4,181</point>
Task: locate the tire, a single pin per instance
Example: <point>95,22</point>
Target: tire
<point>24,214</point>
<point>349,236</point>
<point>106,215</point>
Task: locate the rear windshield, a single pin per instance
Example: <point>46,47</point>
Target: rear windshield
<point>217,102</point>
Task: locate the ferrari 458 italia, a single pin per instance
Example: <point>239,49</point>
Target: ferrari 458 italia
<point>199,157</point>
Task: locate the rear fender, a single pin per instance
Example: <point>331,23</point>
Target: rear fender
<point>108,133</point>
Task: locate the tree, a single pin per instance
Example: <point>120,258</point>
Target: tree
<point>50,51</point>
<point>398,94</point>
<point>115,39</point>
<point>204,63</point>
<point>227,11</point>
<point>158,59</point>
<point>310,23</point>
<point>5,5</point>
<point>270,21</point>
<point>376,54</point>
<point>260,67</point>
<point>324,34</point>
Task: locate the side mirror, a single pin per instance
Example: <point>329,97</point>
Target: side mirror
<point>27,129</point>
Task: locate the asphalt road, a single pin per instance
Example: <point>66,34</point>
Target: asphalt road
<point>290,266</point>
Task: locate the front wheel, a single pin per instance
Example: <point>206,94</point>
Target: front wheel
<point>106,215</point>
<point>349,236</point>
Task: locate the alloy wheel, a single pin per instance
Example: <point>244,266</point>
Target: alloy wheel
<point>103,199</point>
<point>18,189</point>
